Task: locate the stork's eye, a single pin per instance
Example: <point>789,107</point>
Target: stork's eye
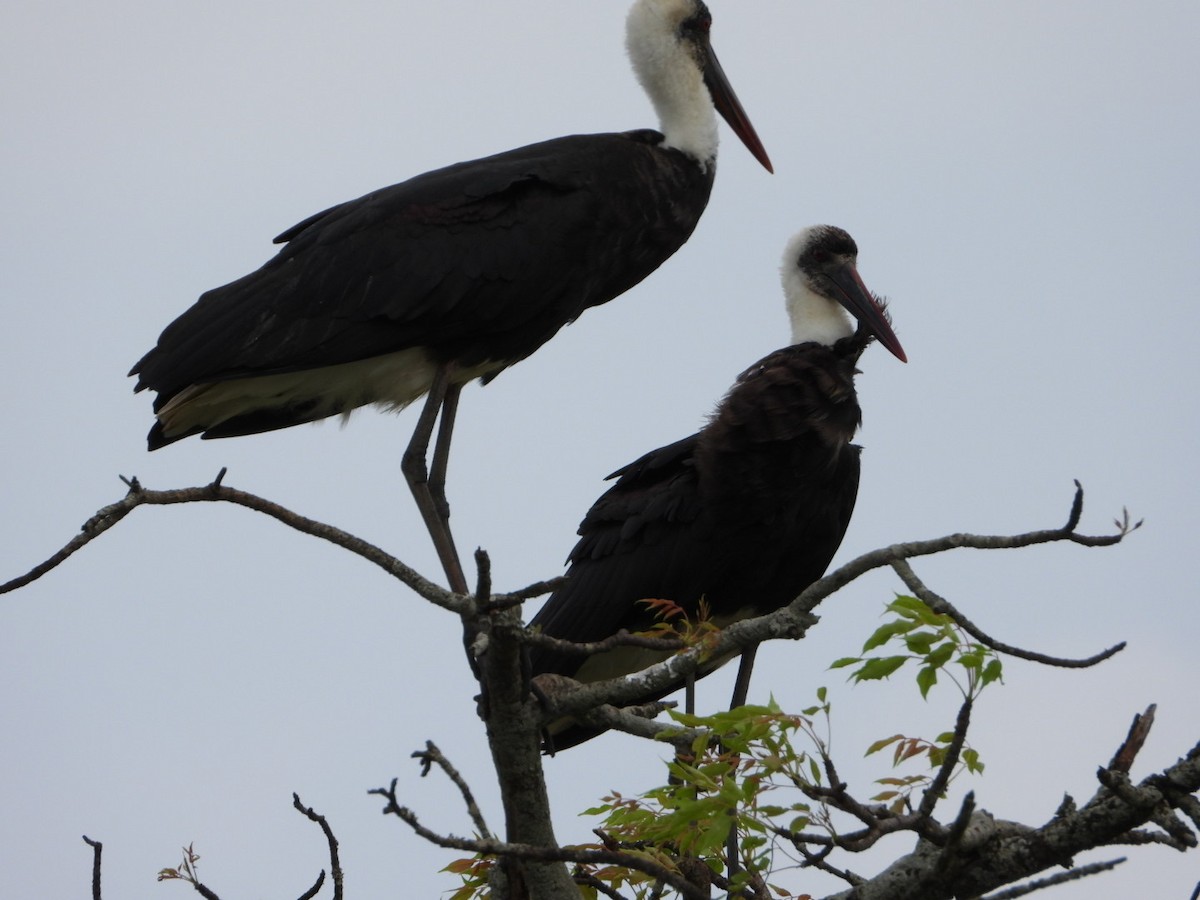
<point>698,23</point>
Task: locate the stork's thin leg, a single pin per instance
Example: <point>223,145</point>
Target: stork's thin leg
<point>741,690</point>
<point>741,685</point>
<point>441,452</point>
<point>416,473</point>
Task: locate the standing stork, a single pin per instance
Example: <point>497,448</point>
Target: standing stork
<point>747,512</point>
<point>453,275</point>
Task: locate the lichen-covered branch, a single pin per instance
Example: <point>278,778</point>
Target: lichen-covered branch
<point>992,853</point>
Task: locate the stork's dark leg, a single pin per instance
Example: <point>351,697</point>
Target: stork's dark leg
<point>741,689</point>
<point>741,686</point>
<point>416,473</point>
<point>441,452</point>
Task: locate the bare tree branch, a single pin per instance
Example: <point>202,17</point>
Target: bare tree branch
<point>537,589</point>
<point>137,496</point>
<point>1122,760</point>
<point>430,756</point>
<point>334,865</point>
<point>595,884</point>
<point>1079,872</point>
<point>622,638</point>
<point>794,620</point>
<point>97,849</point>
<point>554,853</point>
<point>937,787</point>
<point>941,605</point>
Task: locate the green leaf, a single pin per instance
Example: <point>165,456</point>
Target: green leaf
<point>886,632</point>
<point>713,836</point>
<point>971,759</point>
<point>907,606</point>
<point>879,668</point>
<point>972,659</point>
<point>926,679</point>
<point>993,671</point>
<point>815,770</point>
<point>845,661</point>
<point>920,642</point>
<point>911,607</point>
<point>941,654</point>
<point>798,824</point>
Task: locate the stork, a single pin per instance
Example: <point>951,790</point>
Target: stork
<point>453,275</point>
<point>747,512</point>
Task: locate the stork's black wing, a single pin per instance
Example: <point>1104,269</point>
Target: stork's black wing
<point>633,545</point>
<point>481,261</point>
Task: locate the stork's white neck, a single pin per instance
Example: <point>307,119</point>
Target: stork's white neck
<point>813,317</point>
<point>672,79</point>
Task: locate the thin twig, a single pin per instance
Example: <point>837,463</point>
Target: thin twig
<point>430,755</point>
<point>622,638</point>
<point>316,888</point>
<point>941,605</point>
<point>937,787</point>
<point>596,884</point>
<point>97,849</point>
<point>817,861</point>
<point>537,589</point>
<point>1058,878</point>
<point>334,864</point>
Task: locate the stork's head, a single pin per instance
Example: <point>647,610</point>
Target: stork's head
<point>668,43</point>
<point>821,285</point>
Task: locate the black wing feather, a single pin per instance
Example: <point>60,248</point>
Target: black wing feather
<point>480,261</point>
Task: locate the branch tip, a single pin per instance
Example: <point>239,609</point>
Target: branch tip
<point>1076,509</point>
<point>316,888</point>
<point>483,581</point>
<point>334,864</point>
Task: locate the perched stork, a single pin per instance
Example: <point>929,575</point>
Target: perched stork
<point>453,275</point>
<point>744,514</point>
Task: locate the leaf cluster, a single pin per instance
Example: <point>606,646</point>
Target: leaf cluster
<point>723,785</point>
<point>935,642</point>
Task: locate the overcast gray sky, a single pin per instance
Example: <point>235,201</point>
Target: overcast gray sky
<point>1021,179</point>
